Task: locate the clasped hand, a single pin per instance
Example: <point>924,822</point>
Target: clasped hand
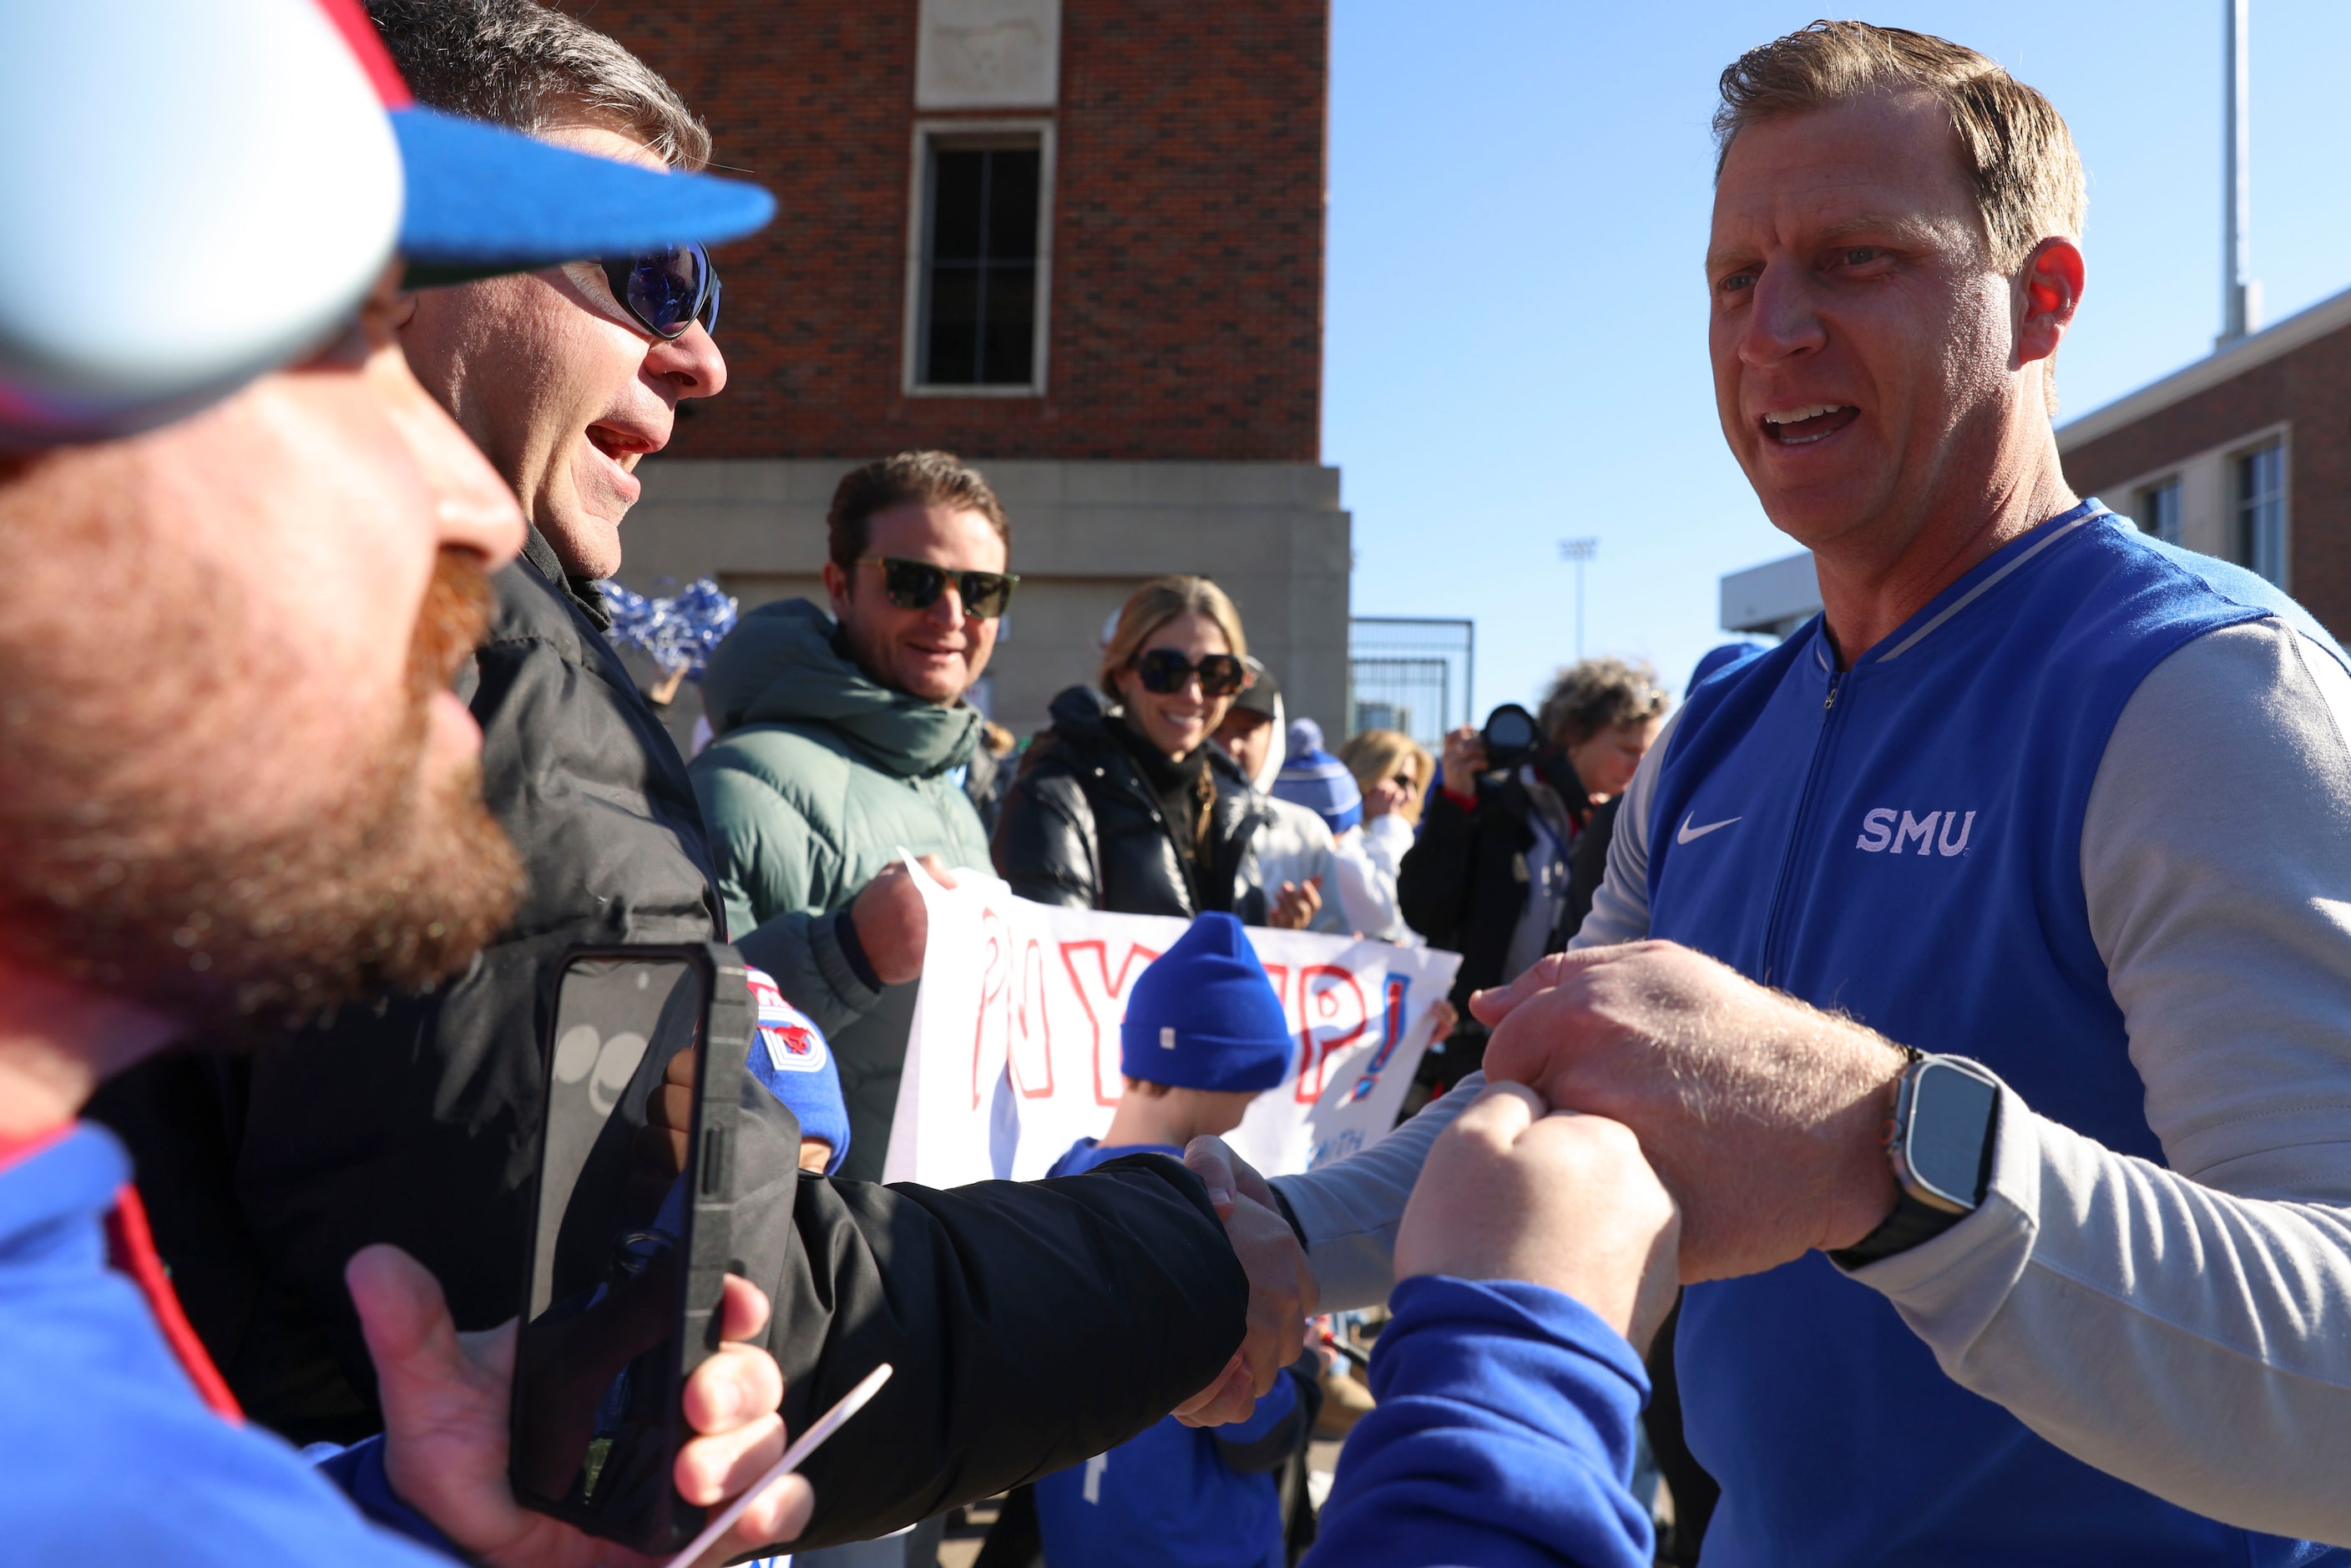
<point>1763,1117</point>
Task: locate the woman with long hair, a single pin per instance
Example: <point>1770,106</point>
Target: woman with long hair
<point>1125,804</point>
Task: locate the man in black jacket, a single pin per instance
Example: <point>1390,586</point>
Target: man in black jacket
<point>415,1122</point>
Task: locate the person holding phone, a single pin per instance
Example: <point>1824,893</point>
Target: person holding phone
<point>1131,807</point>
<point>1488,876</point>
<point>225,473</point>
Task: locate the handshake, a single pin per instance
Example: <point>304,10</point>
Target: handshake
<point>1654,1119</point>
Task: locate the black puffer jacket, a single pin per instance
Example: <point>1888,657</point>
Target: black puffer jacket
<point>1464,884</point>
<point>1081,827</point>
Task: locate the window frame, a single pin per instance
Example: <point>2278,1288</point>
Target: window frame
<point>2239,455</point>
<point>2147,490</point>
<point>961,134</point>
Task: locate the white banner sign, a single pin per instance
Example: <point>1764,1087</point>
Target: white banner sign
<point>1014,1055</point>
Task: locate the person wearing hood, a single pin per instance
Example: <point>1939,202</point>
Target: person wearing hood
<point>1293,849</point>
<point>842,739</point>
<point>1130,808</point>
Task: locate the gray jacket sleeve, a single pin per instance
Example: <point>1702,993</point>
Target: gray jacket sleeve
<point>2188,1328</point>
<point>1348,1212</point>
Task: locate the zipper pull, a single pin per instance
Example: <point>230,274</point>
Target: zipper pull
<point>1829,705</point>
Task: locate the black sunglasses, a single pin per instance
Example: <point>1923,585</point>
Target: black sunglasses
<point>666,290</point>
<point>917,584</point>
<point>1166,672</point>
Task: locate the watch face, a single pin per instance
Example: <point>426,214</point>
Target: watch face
<point>1950,1118</point>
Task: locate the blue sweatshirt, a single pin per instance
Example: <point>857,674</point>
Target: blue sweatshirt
<point>1901,840</point>
<point>108,1456</point>
<point>1165,1497</point>
<point>1503,1437</point>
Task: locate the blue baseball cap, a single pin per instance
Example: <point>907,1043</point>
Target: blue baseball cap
<point>222,184</point>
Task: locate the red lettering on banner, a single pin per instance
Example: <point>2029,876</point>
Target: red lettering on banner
<point>993,975</point>
<point>1094,980</point>
<point>1032,1034</point>
<point>1333,1016</point>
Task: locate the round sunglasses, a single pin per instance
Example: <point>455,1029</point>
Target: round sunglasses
<point>1166,672</point>
<point>917,584</point>
<point>666,290</point>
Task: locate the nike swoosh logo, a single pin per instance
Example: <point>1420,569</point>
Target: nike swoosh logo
<point>1688,832</point>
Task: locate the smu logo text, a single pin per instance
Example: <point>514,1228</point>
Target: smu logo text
<point>1889,831</point>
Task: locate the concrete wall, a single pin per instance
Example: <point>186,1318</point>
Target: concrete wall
<point>1084,534</point>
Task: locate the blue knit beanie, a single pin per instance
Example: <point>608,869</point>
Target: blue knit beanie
<point>1317,780</point>
<point>1204,1016</point>
<point>791,1058</point>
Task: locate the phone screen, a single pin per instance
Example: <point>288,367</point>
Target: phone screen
<point>598,1371</point>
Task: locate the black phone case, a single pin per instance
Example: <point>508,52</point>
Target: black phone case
<point>729,1022</point>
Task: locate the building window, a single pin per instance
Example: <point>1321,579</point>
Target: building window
<point>2158,510</point>
<point>2260,511</point>
<point>979,311</point>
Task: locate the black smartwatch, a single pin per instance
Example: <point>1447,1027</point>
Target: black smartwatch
<point>1946,1115</point>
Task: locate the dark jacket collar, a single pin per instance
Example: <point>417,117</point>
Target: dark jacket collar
<point>582,591</point>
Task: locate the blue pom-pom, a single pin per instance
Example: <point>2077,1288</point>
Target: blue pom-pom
<point>677,632</point>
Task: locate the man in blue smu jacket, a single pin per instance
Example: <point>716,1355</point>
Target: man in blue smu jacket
<point>2033,790</point>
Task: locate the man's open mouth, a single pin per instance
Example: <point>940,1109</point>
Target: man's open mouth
<point>625,455</point>
<point>1802,426</point>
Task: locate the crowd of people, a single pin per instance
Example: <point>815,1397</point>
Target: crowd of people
<point>1943,1016</point>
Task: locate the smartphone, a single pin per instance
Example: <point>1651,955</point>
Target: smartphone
<point>628,1254</point>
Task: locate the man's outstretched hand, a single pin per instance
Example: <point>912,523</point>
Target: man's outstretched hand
<point>1282,1293</point>
<point>1513,1190</point>
<point>445,1402</point>
<point>1763,1117</point>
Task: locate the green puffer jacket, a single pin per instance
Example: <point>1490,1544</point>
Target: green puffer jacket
<point>818,778</point>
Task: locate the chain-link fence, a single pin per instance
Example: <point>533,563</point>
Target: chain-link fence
<point>1410,674</point>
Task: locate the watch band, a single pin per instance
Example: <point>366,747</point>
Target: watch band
<point>1913,1221</point>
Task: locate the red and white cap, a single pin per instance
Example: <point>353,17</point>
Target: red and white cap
<point>199,193</point>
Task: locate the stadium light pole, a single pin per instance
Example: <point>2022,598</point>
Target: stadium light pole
<point>2241,294</point>
<point>1579,551</point>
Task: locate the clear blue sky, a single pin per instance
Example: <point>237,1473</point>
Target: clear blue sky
<point>1516,340</point>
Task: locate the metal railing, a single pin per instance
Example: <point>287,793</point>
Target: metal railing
<point>1410,674</point>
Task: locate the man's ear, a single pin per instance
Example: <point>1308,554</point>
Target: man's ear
<point>403,310</point>
<point>2049,291</point>
<point>837,586</point>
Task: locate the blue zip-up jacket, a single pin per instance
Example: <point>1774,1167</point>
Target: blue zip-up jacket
<point>1902,842</point>
<point>108,1456</point>
<point>1503,1437</point>
<point>1165,1496</point>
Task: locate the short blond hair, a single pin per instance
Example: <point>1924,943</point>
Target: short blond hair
<point>1155,603</point>
<point>1375,754</point>
<point>2012,142</point>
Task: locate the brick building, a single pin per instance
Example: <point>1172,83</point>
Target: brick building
<point>1079,242</point>
<point>2244,455</point>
